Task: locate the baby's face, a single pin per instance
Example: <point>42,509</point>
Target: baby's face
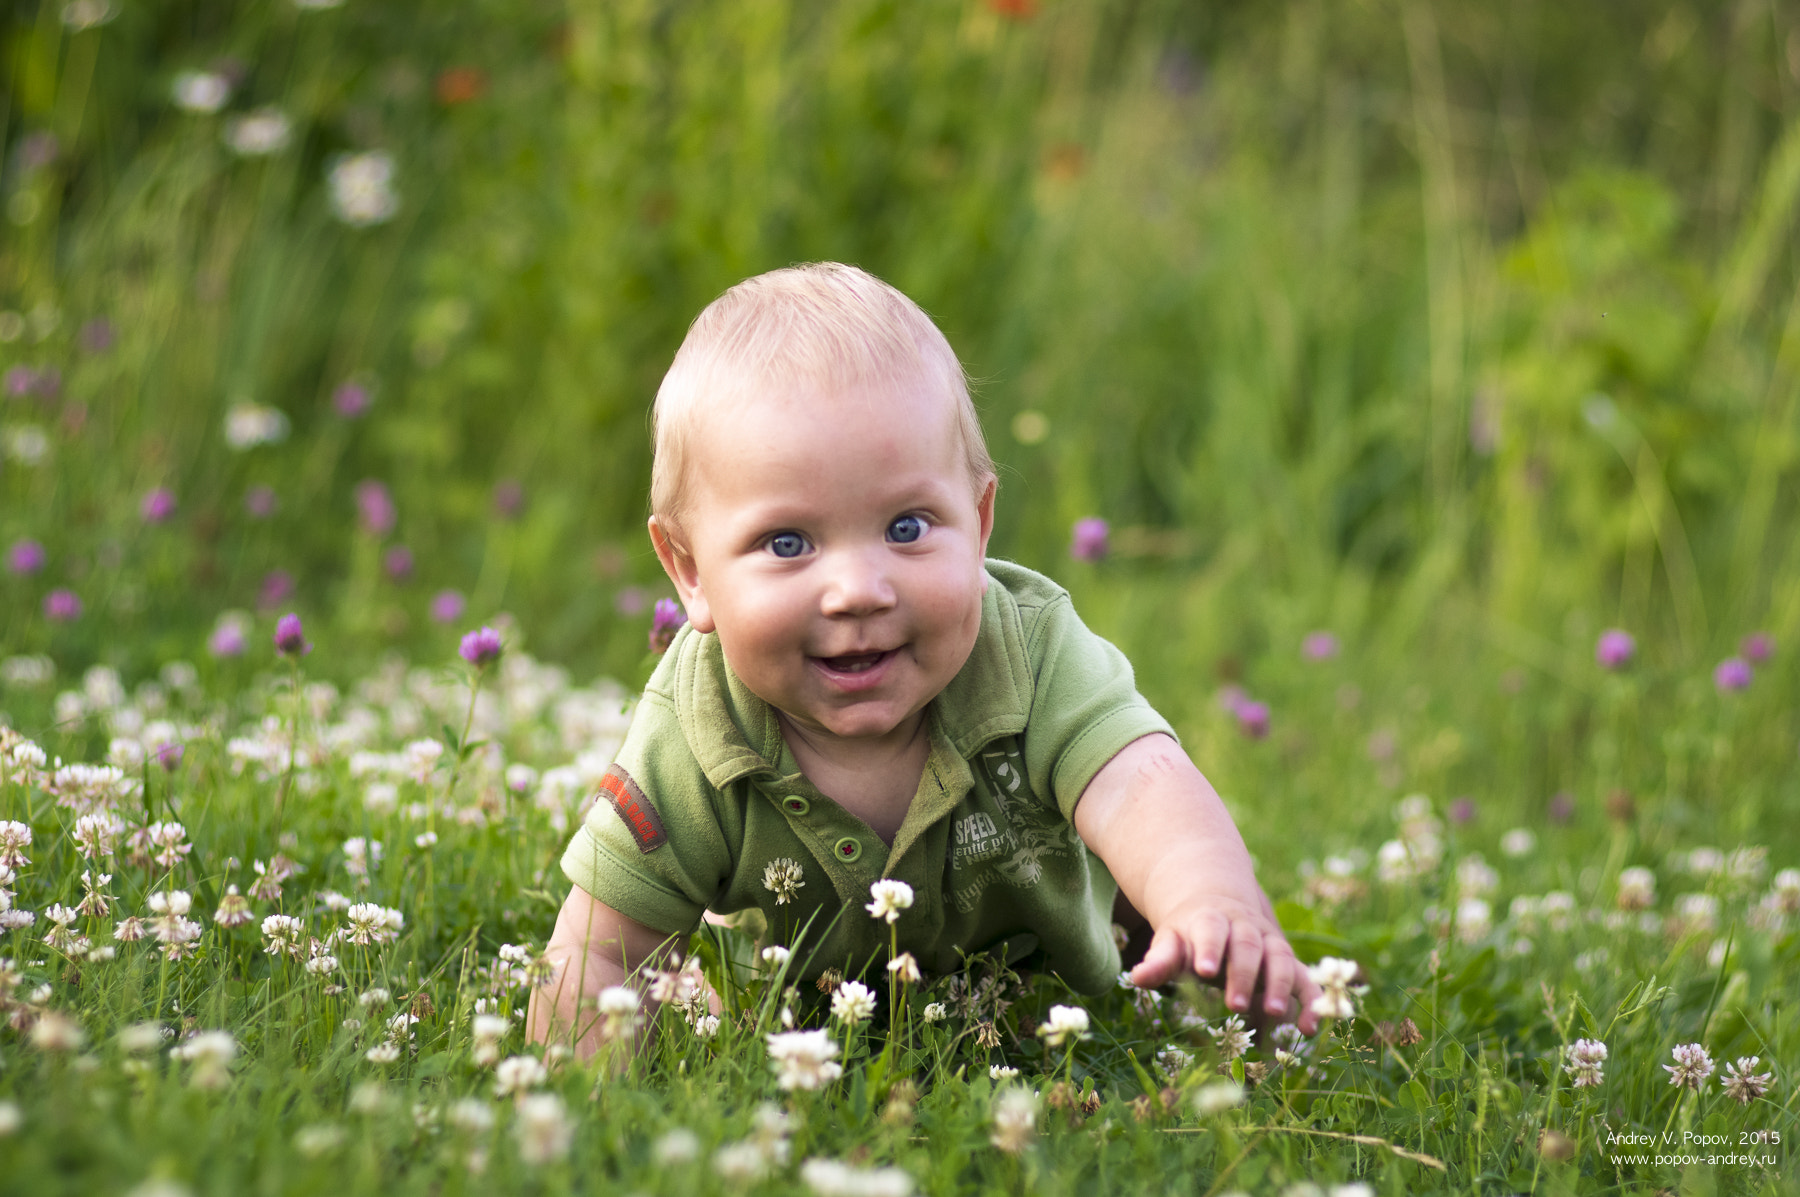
<point>835,544</point>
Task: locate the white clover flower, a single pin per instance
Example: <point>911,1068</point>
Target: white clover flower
<point>832,1178</point>
<point>804,1059</point>
<point>742,1163</point>
<point>55,1031</point>
<point>1637,888</point>
<point>679,1146</point>
<point>1475,877</point>
<point>1171,1060</point>
<point>1066,1024</point>
<point>321,1138</point>
<point>1218,1096</point>
<point>383,1053</point>
<point>784,878</point>
<point>11,1118</point>
<point>1583,1059</point>
<point>1231,1038</point>
<point>706,1026</point>
<point>1742,1083</point>
<point>1001,1072</point>
<point>248,425</point>
<point>140,1037</point>
<point>1474,919</point>
<point>905,968</point>
<point>890,898</point>
<point>1519,842</point>
<point>362,189</point>
<point>518,1074</point>
<point>258,134</point>
<point>852,1002</point>
<point>935,1012</point>
<point>1692,1066</point>
<point>211,1053</point>
<point>204,92</point>
<point>15,837</point>
<point>1015,1121</point>
<point>79,15</point>
<point>471,1116</point>
<point>775,956</point>
<point>486,1031</point>
<point>1336,978</point>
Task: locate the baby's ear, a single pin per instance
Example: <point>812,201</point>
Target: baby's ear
<point>679,564</point>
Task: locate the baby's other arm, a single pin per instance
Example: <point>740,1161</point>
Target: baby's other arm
<point>593,946</point>
<point>1178,858</point>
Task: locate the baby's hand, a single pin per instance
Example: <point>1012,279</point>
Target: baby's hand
<point>1210,929</point>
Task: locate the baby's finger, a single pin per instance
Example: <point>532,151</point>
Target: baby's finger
<point>1208,937</point>
<point>1278,977</point>
<point>1162,962</point>
<point>1244,964</point>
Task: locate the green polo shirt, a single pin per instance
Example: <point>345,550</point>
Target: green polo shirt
<point>704,796</point>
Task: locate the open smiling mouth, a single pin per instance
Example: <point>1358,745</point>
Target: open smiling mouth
<point>854,662</point>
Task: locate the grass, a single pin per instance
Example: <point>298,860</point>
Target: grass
<point>1462,333</point>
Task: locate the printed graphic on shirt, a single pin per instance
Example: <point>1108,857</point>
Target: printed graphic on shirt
<point>1010,846</point>
<point>634,809</point>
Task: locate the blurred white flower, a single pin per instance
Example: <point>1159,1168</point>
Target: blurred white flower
<point>250,424</point>
<point>362,188</point>
<point>833,1178</point>
<point>1065,1024</point>
<point>383,1053</point>
<point>211,1053</point>
<point>1518,842</point>
<point>804,1059</point>
<point>27,444</point>
<point>679,1146</point>
<point>1217,1097</point>
<point>1015,1121</point>
<point>1335,977</point>
<point>201,91</point>
<point>471,1116</point>
<point>78,15</point>
<point>517,1074</point>
<point>259,133</point>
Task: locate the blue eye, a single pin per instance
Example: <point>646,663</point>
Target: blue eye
<point>906,529</point>
<point>787,544</point>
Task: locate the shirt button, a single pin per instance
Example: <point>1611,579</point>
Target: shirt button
<point>848,848</point>
<point>794,804</point>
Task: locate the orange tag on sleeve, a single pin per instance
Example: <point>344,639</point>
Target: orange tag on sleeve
<point>634,809</point>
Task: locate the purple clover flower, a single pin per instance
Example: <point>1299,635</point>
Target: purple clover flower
<point>25,557</point>
<point>260,502</point>
<point>351,399</point>
<point>398,562</point>
<point>20,381</point>
<point>1252,718</point>
<point>290,638</point>
<point>374,507</point>
<point>1088,541</point>
<point>665,620</point>
<point>1562,806</point>
<point>481,647</point>
<point>169,756</point>
<point>1614,649</point>
<point>38,150</point>
<point>225,639</point>
<point>447,606</point>
<point>1733,673</point>
<point>1319,646</point>
<point>630,601</point>
<point>1462,811</point>
<point>277,585</point>
<point>62,606</point>
<point>97,335</point>
<point>1757,647</point>
<point>509,499</point>
<point>158,505</point>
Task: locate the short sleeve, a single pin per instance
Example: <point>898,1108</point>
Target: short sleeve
<point>653,846</point>
<point>1084,706</point>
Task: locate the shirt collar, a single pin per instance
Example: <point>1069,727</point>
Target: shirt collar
<point>734,734</point>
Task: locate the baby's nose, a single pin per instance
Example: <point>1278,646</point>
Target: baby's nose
<point>857,584</point>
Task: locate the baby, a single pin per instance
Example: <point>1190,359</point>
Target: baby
<point>860,694</point>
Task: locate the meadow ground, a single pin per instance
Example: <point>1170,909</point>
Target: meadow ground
<point>1410,389</point>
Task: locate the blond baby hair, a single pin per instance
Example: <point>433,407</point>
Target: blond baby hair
<point>821,325</point>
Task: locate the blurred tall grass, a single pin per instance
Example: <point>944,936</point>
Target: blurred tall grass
<point>1433,324</point>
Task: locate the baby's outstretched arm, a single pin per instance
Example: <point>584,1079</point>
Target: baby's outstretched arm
<point>593,946</point>
<point>1178,858</point>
